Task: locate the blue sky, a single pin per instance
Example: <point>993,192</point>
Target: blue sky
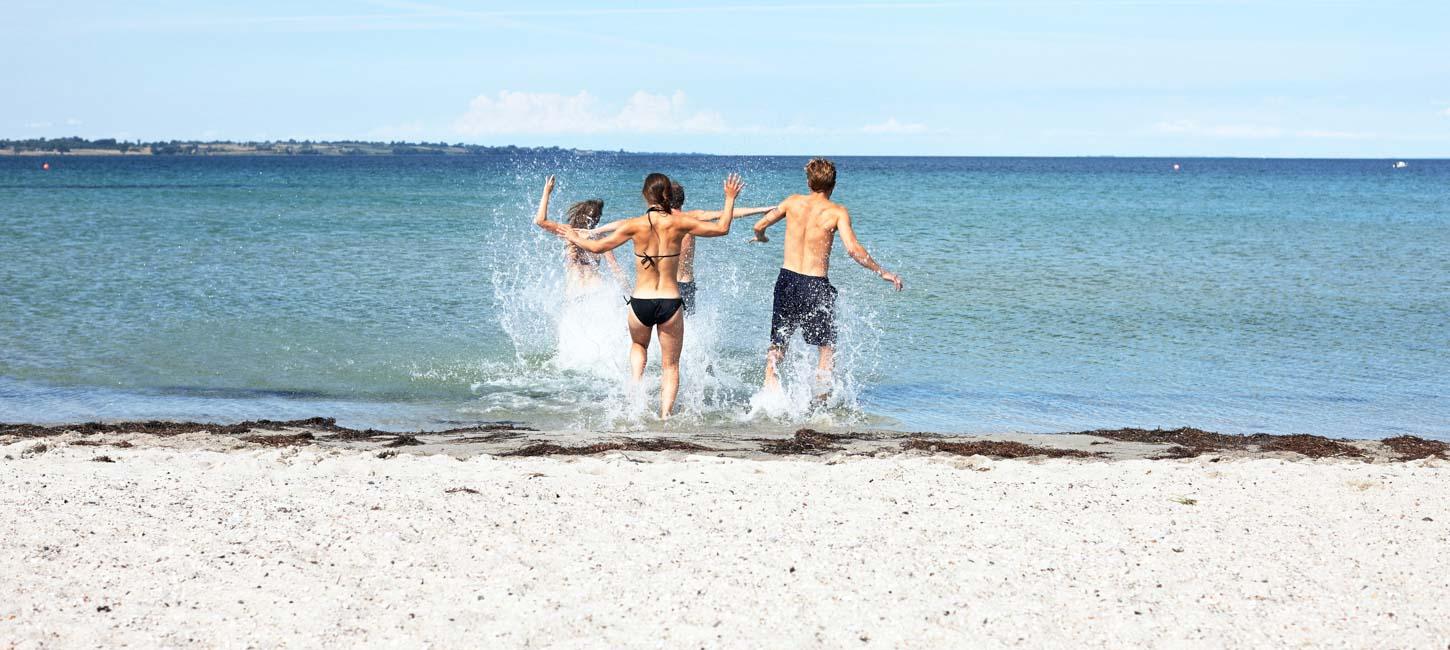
<point>1001,77</point>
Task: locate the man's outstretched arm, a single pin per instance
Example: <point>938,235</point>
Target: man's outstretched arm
<point>859,252</point>
<point>771,216</point>
<point>714,215</point>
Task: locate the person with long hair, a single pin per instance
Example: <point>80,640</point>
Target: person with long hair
<point>654,305</point>
<point>581,268</point>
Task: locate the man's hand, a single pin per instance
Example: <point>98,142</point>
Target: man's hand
<point>549,184</point>
<point>759,238</point>
<point>733,185</point>
<point>893,278</point>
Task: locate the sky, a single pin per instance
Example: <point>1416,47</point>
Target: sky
<point>1332,78</point>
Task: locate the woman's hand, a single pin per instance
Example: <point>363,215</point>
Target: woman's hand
<point>541,218</point>
<point>733,185</point>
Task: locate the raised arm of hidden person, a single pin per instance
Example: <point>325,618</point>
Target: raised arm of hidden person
<point>733,185</point>
<point>541,218</point>
<point>714,215</point>
<point>859,252</point>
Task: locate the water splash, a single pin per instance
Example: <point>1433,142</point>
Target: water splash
<point>571,353</point>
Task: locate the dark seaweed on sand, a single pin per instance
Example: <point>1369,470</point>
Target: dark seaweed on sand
<point>161,428</point>
<point>1413,448</point>
<point>812,442</point>
<point>654,444</point>
<point>1189,442</point>
<point>280,440</point>
<point>994,448</point>
<point>1311,446</point>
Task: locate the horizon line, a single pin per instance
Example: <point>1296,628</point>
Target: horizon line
<point>404,143</point>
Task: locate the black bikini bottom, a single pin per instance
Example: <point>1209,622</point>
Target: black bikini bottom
<point>653,311</point>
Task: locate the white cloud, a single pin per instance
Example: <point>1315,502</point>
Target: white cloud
<point>891,126</point>
<point>512,112</point>
<point>1446,112</point>
<point>1193,128</point>
<point>72,122</point>
<point>38,125</point>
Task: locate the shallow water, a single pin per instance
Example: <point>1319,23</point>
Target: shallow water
<point>1043,294</point>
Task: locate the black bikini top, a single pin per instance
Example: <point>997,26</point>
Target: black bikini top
<point>650,261</point>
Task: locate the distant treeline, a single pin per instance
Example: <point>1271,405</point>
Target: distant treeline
<point>278,147</point>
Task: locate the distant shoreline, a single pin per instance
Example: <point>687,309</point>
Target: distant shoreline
<point>112,147</point>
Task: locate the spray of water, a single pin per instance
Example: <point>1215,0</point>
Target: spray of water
<point>571,351</point>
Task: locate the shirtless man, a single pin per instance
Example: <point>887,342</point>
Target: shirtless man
<point>804,297</point>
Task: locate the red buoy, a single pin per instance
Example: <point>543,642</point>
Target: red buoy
<point>45,166</point>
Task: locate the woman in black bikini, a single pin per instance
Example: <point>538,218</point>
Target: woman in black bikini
<point>655,303</point>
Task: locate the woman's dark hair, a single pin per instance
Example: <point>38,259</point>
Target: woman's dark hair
<point>677,196</point>
<point>584,214</point>
<point>657,192</point>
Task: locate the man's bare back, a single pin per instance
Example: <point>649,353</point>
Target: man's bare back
<point>811,223</point>
<point>810,230</point>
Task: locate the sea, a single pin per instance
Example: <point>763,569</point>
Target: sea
<point>1042,295</point>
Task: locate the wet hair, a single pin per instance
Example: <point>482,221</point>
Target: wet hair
<point>657,192</point>
<point>821,175</point>
<point>584,214</point>
<point>677,196</point>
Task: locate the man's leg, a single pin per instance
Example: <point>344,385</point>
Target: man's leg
<point>820,331</point>
<point>828,360</point>
<point>672,338</point>
<point>821,390</point>
<point>772,381</point>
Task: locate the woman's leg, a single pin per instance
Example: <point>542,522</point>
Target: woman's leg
<point>638,348</point>
<point>672,338</point>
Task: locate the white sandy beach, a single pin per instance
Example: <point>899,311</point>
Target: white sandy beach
<point>178,544</point>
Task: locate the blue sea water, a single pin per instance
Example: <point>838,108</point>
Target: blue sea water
<point>1237,295</point>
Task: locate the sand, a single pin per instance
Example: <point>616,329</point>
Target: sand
<point>186,541</point>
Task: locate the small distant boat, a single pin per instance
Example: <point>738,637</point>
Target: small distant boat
<point>1401,164</point>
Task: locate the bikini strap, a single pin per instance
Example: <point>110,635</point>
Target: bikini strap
<point>652,261</point>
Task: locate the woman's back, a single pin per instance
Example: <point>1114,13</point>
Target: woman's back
<point>657,254</point>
